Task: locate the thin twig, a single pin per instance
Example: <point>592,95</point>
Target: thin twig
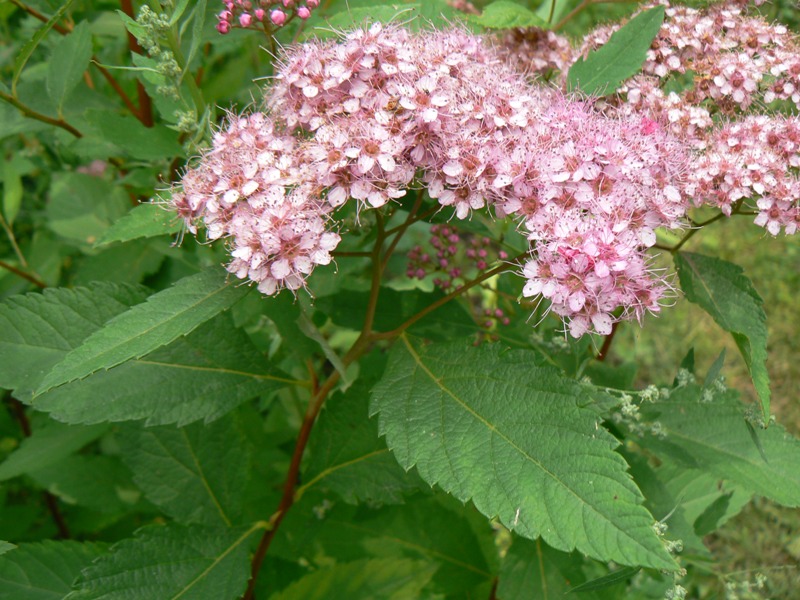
<point>583,6</point>
<point>37,15</point>
<point>145,112</point>
<point>13,241</point>
<point>402,229</point>
<point>365,341</point>
<point>52,504</point>
<point>65,30</point>
<point>358,348</point>
<point>603,353</point>
<point>428,213</point>
<point>20,273</point>
<point>29,112</point>
<point>388,335</point>
<point>697,227</point>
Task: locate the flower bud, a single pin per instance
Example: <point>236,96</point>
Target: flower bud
<point>303,12</point>
<point>278,17</point>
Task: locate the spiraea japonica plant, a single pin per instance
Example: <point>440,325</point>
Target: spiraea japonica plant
<point>309,299</point>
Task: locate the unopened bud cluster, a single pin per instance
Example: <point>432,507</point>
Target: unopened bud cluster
<point>154,27</point>
<point>452,257</point>
<point>262,14</point>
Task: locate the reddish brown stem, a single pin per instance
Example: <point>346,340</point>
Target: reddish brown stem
<point>365,341</point>
<point>19,273</point>
<point>601,356</point>
<point>49,499</point>
<point>145,113</point>
<point>389,335</point>
<point>29,112</point>
<point>37,15</point>
<point>288,497</point>
<point>126,100</point>
<point>64,30</point>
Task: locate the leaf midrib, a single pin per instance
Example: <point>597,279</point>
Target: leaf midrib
<point>492,428</point>
<point>123,341</point>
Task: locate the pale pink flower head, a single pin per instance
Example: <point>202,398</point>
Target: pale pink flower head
<point>252,189</point>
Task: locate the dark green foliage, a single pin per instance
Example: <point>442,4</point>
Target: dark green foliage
<point>161,420</point>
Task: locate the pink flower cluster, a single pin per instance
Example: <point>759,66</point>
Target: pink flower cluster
<point>755,158</point>
<point>254,188</point>
<point>736,59</point>
<point>603,186</point>
<point>365,117</point>
<point>257,14</point>
<point>537,51</point>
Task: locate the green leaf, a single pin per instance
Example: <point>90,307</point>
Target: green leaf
<point>614,578</point>
<point>712,518</point>
<point>70,58</point>
<point>39,329</point>
<point>45,570</point>
<point>5,547</point>
<point>311,331</point>
<point>48,445</point>
<point>665,501</point>
<point>140,257</point>
<point>132,26</point>
<point>201,376</point>
<point>387,579</point>
<point>505,14</point>
<point>714,437</point>
<point>511,436</point>
<point>133,138</point>
<point>348,456</point>
<point>425,528</point>
<point>724,292</point>
<point>194,563</point>
<point>715,370</point>
<point>12,191</point>
<point>144,221</point>
<point>531,569</point>
<point>621,57</point>
<point>438,14</point>
<point>195,474</point>
<point>165,316</point>
<point>178,11</point>
<point>697,491</point>
<point>100,483</point>
<point>357,17</point>
<point>27,50</point>
<point>82,207</point>
<point>198,17</point>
